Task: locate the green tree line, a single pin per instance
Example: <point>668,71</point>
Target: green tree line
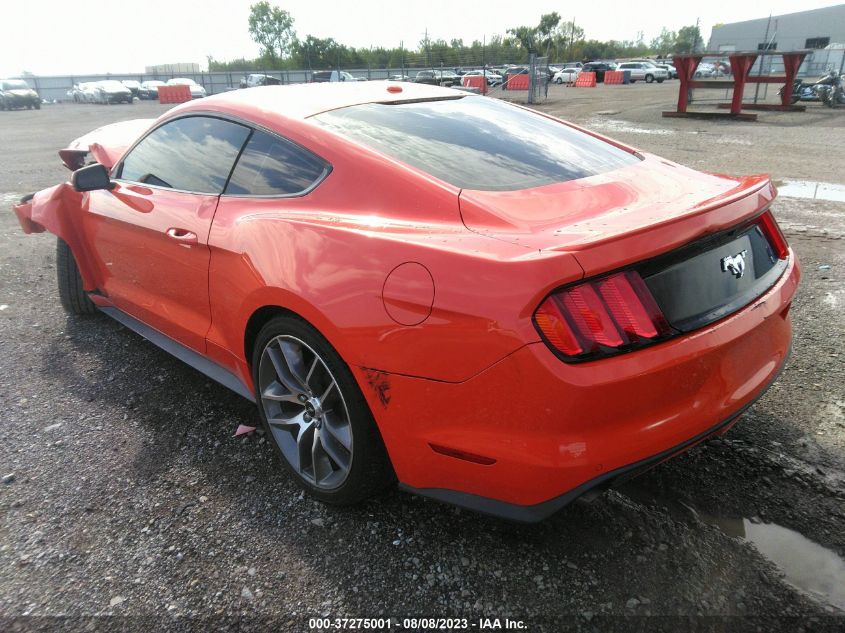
<point>272,28</point>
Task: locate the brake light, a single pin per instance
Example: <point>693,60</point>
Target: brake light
<point>773,234</point>
<point>601,317</point>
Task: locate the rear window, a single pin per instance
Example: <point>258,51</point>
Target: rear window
<point>477,142</point>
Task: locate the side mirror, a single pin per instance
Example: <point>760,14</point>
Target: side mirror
<point>91,178</point>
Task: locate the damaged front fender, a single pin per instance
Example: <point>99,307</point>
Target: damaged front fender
<point>57,210</point>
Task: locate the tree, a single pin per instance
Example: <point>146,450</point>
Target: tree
<point>545,30</point>
<point>566,37</point>
<point>272,29</point>
<point>665,42</point>
<point>687,39</point>
<point>526,36</point>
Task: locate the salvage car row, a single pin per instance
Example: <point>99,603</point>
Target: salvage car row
<point>112,91</point>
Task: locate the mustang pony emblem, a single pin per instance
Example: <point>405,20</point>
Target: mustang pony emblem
<point>735,264</point>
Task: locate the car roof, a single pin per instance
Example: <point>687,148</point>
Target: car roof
<point>300,101</point>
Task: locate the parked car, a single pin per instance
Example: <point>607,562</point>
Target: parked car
<point>149,89</point>
<point>670,68</point>
<point>197,91</point>
<point>644,71</point>
<point>16,93</point>
<point>111,91</point>
<point>437,78</point>
<point>255,80</point>
<point>599,68</point>
<point>134,87</point>
<point>76,93</point>
<point>493,78</point>
<point>671,72</point>
<point>705,70</point>
<point>322,76</point>
<point>90,91</point>
<point>566,75</point>
<point>538,320</point>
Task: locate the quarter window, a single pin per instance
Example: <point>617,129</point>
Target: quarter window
<point>271,166</point>
<point>190,154</point>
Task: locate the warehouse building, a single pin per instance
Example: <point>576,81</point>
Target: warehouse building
<point>815,29</point>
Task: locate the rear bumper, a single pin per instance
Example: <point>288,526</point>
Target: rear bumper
<point>543,510</point>
<point>556,430</point>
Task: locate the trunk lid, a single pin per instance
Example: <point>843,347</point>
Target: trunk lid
<point>619,217</point>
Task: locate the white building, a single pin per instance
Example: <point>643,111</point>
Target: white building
<point>821,30</point>
<point>815,29</point>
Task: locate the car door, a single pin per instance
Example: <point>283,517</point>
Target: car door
<point>273,176</point>
<point>149,234</point>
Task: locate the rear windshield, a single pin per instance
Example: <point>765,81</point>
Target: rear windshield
<point>477,142</point>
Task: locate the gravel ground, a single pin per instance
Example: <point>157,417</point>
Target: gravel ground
<point>129,505</point>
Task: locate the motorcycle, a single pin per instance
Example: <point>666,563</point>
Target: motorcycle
<point>801,91</point>
<point>816,91</point>
<point>829,90</point>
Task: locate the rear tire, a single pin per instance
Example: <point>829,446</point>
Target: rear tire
<point>649,79</point>
<point>322,426</point>
<point>74,299</point>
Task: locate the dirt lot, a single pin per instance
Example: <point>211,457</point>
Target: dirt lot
<point>130,506</point>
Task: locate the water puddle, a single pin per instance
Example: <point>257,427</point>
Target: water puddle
<point>807,566</point>
<point>811,190</point>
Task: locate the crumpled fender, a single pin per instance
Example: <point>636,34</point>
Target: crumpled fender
<point>57,209</point>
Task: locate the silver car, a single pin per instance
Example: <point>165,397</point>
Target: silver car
<point>644,71</point>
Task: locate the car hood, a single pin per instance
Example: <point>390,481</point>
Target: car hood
<point>21,92</point>
<point>106,144</point>
<point>115,90</point>
<point>600,213</point>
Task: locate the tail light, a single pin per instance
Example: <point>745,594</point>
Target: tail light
<point>601,317</point>
<point>774,235</point>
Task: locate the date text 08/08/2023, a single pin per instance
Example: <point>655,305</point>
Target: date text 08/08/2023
<point>415,624</point>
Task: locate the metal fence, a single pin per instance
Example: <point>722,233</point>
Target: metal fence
<point>56,87</point>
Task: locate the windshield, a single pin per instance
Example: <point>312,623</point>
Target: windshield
<point>181,82</point>
<point>477,143</point>
<point>15,84</point>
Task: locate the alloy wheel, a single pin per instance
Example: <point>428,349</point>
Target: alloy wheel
<point>306,412</point>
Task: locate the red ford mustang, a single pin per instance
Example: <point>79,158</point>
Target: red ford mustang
<point>497,308</point>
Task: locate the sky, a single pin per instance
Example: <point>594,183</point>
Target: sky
<point>95,36</point>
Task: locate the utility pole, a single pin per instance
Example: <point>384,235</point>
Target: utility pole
<point>760,59</point>
<point>695,39</point>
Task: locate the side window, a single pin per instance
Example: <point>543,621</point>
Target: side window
<point>194,153</point>
<point>271,166</point>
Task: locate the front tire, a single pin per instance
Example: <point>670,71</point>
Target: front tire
<point>320,423</point>
<point>74,299</point>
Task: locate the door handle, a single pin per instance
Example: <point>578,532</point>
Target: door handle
<point>183,236</point>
